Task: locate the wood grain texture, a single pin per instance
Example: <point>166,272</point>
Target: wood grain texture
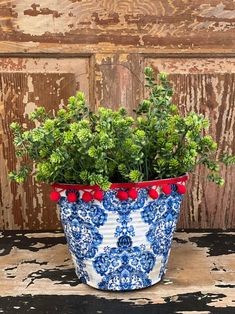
<point>101,47</point>
<point>199,279</point>
<point>105,26</point>
<point>208,87</point>
<point>24,85</point>
<point>118,80</point>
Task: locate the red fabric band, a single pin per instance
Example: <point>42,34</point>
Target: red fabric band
<point>121,185</point>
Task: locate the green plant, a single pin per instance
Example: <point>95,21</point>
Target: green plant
<point>76,145</point>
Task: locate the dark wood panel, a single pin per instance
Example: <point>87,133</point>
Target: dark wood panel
<point>207,86</point>
<point>25,85</point>
<point>107,25</point>
<point>118,80</point>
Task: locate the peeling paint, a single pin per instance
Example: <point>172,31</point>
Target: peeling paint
<point>108,24</point>
<point>29,108</point>
<point>218,11</point>
<point>217,244</point>
<point>120,33</point>
<point>26,84</point>
<point>206,86</point>
<point>56,19</point>
<point>38,260</point>
<point>184,304</point>
<point>35,10</point>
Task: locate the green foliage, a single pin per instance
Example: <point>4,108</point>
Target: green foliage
<point>76,145</point>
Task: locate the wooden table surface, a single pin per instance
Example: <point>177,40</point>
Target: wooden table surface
<point>37,276</point>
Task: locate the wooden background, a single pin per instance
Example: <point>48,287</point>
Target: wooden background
<point>49,49</point>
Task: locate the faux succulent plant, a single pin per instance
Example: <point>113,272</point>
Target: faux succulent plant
<point>75,145</point>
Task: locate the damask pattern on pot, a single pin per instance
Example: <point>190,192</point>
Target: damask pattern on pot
<point>121,243</point>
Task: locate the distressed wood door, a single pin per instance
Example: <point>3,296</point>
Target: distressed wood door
<point>26,83</point>
<point>50,49</point>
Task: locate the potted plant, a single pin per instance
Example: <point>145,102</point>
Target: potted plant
<point>118,180</point>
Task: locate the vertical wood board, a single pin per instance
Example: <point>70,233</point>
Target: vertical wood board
<point>206,86</point>
<point>26,84</point>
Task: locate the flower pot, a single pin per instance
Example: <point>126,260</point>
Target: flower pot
<point>120,239</point>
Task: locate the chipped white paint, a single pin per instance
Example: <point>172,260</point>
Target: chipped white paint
<point>42,24</point>
<point>59,81</point>
<point>39,206</point>
<point>73,26</point>
<point>6,212</point>
<point>29,108</point>
<point>79,67</point>
<point>213,26</point>
<point>23,206</point>
<point>206,85</point>
<point>61,105</point>
<point>218,11</point>
<point>194,66</point>
<point>29,105</point>
<point>30,84</point>
<point>66,16</point>
<point>189,271</point>
<point>60,17</point>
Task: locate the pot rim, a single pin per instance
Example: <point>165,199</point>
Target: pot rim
<point>68,186</point>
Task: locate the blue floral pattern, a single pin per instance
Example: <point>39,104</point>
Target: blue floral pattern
<point>162,219</point>
<point>124,208</point>
<point>118,260</point>
<point>125,267</point>
<point>81,222</point>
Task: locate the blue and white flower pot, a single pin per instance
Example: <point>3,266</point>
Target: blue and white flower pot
<point>123,244</point>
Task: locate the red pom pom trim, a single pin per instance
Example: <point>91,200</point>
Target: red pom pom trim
<point>87,197</point>
<point>98,195</point>
<point>181,188</point>
<point>153,194</point>
<point>133,194</point>
<point>55,196</point>
<point>166,189</point>
<point>71,197</point>
<point>122,195</point>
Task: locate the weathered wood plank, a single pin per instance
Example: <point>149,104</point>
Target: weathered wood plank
<point>208,87</point>
<point>118,80</point>
<point>120,34</point>
<point>101,26</point>
<point>24,85</point>
<point>200,278</point>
